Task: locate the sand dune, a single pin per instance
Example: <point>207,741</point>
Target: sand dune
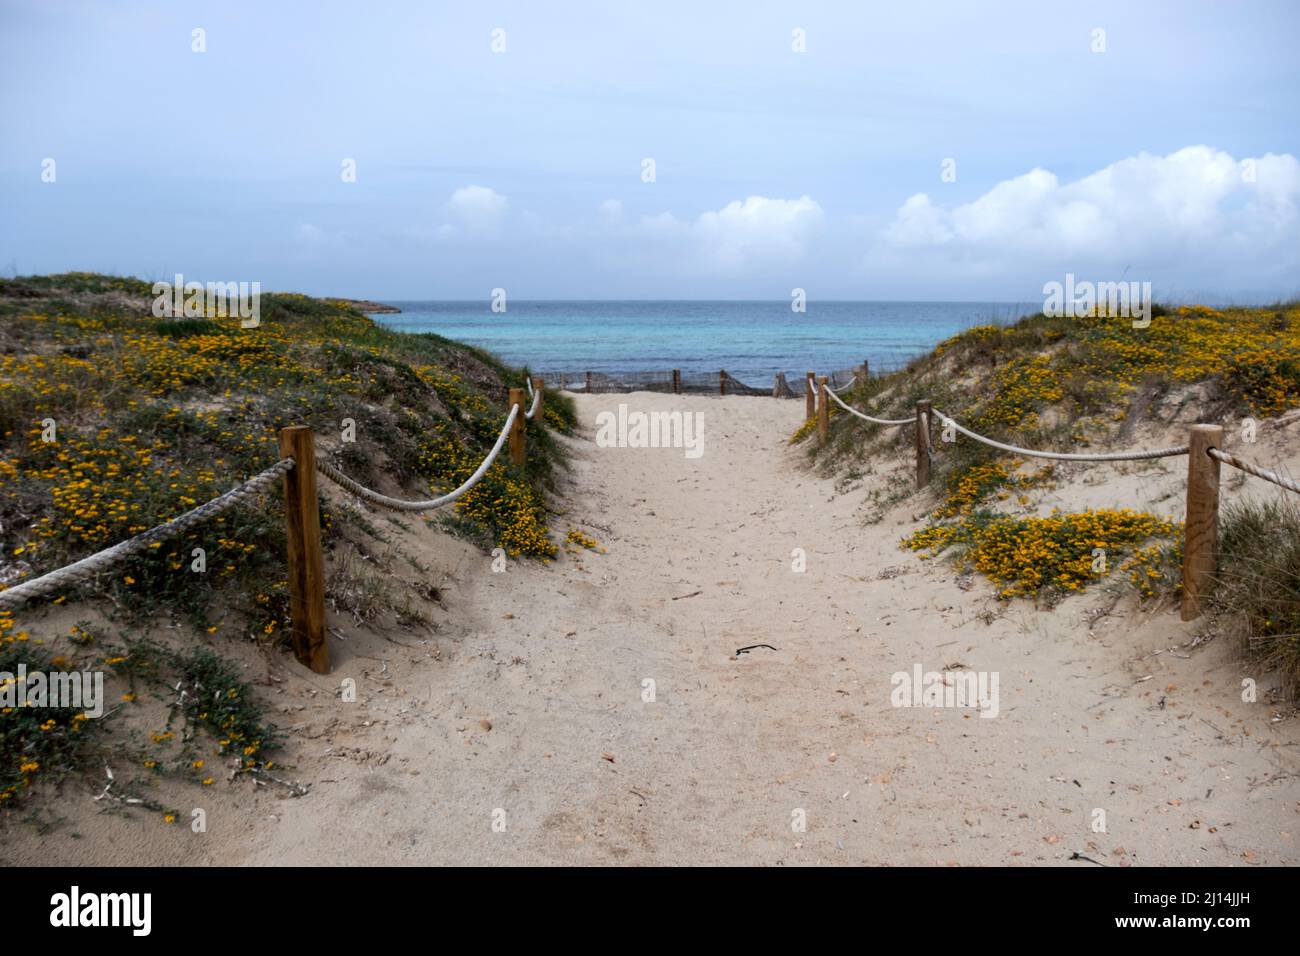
<point>528,707</point>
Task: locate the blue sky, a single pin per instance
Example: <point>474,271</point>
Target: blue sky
<point>1170,157</point>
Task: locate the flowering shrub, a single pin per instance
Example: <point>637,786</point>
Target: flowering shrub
<point>1060,552</point>
<point>973,485</point>
<point>156,416</point>
<point>36,743</point>
<point>1019,389</point>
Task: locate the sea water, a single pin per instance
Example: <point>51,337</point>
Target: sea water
<point>751,340</point>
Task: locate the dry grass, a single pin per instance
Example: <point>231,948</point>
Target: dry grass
<point>1258,583</point>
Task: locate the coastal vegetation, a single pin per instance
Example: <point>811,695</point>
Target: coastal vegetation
<point>1090,384</point>
<point>113,421</point>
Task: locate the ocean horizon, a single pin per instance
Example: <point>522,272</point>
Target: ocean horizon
<point>752,340</point>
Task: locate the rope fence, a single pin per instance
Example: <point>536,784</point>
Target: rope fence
<point>305,557</point>
<point>867,418</point>
<point>536,395</point>
<point>397,504</point>
<point>87,568</point>
<point>1251,469</point>
<point>1200,560</point>
<point>1062,456</point>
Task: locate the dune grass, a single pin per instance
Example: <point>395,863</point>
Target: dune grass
<point>1257,587</point>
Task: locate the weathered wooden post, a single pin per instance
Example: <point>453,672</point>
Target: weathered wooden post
<point>306,562</point>
<point>517,428</point>
<point>563,380</point>
<point>588,383</point>
<point>677,381</point>
<point>823,409</point>
<point>922,443</point>
<point>866,370</point>
<point>810,397</point>
<point>1201,528</point>
<point>539,389</point>
<point>722,382</point>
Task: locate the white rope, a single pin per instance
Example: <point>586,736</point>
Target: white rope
<point>537,400</point>
<point>63,578</point>
<point>1258,472</point>
<point>876,421</point>
<point>397,504</point>
<point>1064,456</point>
<point>842,388</point>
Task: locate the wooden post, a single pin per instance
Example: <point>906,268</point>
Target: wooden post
<point>677,381</point>
<point>306,563</point>
<point>588,382</point>
<point>722,382</point>
<point>922,443</point>
<point>563,380</point>
<point>823,410</point>
<point>1201,531</point>
<point>517,429</point>
<point>810,397</point>
<point>866,370</point>
<point>539,388</point>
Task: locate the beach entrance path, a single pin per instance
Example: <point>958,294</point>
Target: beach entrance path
<point>596,710</point>
<point>625,728</point>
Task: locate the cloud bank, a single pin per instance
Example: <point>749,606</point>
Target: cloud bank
<point>1192,222</point>
<point>1174,216</point>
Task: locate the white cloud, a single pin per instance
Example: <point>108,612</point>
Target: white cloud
<point>478,209</point>
<point>1171,215</point>
<point>754,232</point>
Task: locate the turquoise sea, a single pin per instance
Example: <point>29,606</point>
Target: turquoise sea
<point>751,340</point>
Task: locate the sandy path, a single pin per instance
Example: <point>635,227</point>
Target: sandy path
<point>733,748</point>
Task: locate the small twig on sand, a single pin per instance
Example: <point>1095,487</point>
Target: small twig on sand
<point>683,597</point>
<point>1212,724</point>
<point>1076,855</point>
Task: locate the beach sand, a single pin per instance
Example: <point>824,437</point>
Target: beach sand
<point>519,732</point>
